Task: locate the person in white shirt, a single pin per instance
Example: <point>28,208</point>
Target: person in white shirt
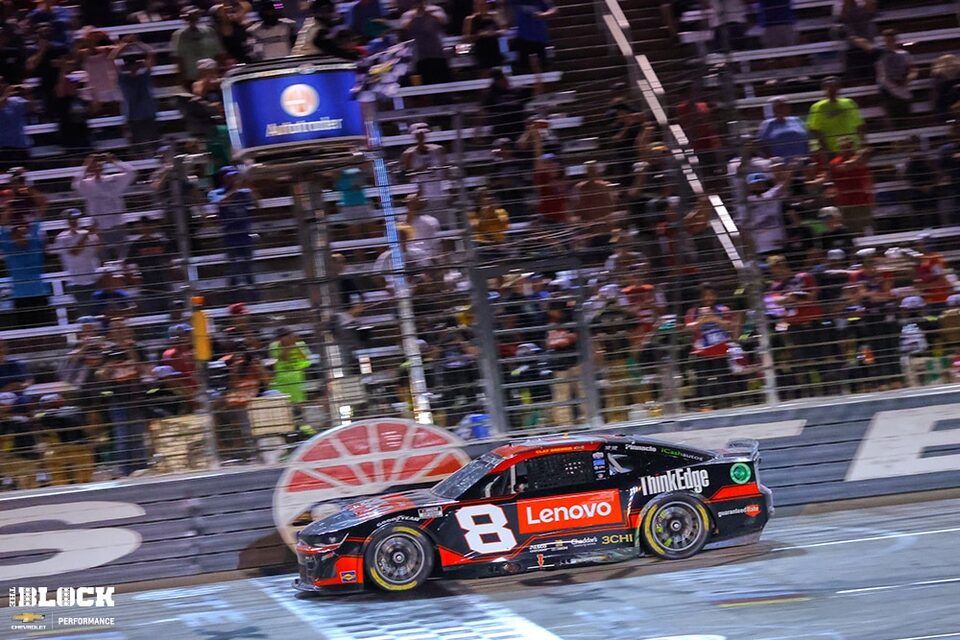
<point>426,228</point>
<point>79,253</point>
<point>728,20</point>
<point>764,210</point>
<point>103,194</point>
<point>425,165</point>
<point>273,36</point>
<point>414,259</point>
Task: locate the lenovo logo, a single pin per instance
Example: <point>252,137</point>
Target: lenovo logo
<point>569,512</point>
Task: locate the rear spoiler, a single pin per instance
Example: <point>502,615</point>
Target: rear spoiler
<point>744,447</point>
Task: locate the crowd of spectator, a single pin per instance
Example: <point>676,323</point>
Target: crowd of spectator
<point>651,305</point>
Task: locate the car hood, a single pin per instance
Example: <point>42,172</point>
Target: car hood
<point>360,511</point>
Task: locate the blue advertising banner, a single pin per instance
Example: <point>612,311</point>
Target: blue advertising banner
<point>270,108</point>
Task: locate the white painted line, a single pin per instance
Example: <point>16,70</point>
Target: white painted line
<point>938,635</point>
<point>909,534</point>
<point>921,583</point>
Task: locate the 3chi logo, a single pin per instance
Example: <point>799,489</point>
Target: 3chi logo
<point>740,473</point>
<point>299,100</point>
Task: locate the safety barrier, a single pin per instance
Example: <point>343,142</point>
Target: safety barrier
<point>130,531</point>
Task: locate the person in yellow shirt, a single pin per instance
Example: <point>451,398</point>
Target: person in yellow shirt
<point>835,119</point>
<point>489,222</point>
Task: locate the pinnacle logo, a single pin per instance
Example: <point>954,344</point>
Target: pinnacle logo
<point>61,597</point>
<point>675,480</point>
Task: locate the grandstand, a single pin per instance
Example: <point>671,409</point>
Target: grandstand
<point>614,160</point>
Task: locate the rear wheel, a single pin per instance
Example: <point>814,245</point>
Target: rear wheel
<point>398,558</point>
<point>674,526</point>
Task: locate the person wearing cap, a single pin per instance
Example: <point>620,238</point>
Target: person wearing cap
<point>425,165</point>
<point>619,264</point>
<point>121,394</point>
<point>561,343</point>
<point>165,396</point>
<point>135,61</point>
<point>192,43</point>
<point>763,213</point>
<point>14,375</point>
<point>236,208</point>
<point>20,450</point>
<point>291,358</point>
<point>23,249</point>
<point>834,119</point>
<point>782,134</point>
<point>917,330</point>
<point>79,252</point>
<point>103,195</point>
<point>612,324</point>
<point>832,276</point>
<point>69,458</point>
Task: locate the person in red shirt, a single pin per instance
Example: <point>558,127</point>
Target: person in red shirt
<point>696,118</point>
<point>549,179</point>
<point>180,357</point>
<point>930,276</point>
<point>809,345</point>
<point>854,188</point>
<point>710,325</point>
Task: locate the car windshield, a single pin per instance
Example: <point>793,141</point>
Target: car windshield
<point>453,486</point>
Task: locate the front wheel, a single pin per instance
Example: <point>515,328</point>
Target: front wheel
<point>398,558</point>
<point>674,526</point>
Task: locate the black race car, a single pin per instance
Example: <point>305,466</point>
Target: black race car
<point>542,504</point>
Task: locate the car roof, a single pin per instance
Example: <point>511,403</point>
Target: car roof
<point>533,447</point>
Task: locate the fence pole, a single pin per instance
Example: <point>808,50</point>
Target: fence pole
<point>181,214</point>
<point>408,327</point>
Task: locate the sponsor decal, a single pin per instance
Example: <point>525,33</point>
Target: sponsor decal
<point>348,577</point>
<point>28,617</point>
<point>671,452</point>
<point>598,455</point>
<point>751,510</point>
<point>740,473</point>
<point>561,544</point>
<point>61,597</point>
<point>569,511</point>
<point>86,622</point>
<point>426,513</point>
<point>539,559</point>
<point>641,447</point>
<point>617,538</point>
<point>675,480</point>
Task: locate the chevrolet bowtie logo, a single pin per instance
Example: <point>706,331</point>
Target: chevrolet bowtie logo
<point>28,617</point>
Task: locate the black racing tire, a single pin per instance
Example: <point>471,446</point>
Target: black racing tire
<point>398,558</point>
<point>674,526</point>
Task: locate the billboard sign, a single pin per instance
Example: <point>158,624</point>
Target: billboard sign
<point>300,104</point>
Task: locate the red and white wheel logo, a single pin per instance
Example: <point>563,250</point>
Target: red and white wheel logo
<point>360,459</point>
<point>299,100</point>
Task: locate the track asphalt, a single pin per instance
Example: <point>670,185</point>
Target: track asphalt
<point>877,573</point>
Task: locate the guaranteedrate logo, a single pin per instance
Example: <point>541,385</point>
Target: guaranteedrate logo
<point>299,100</point>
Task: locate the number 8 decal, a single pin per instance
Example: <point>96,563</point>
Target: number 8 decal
<point>480,535</point>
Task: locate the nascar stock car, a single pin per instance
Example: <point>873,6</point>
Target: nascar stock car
<point>542,504</point>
